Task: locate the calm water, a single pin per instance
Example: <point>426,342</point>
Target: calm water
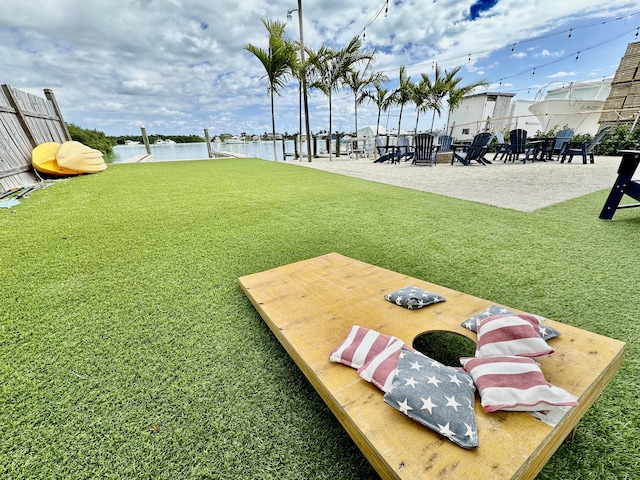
<point>198,151</point>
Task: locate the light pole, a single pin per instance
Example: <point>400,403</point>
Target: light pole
<point>303,74</point>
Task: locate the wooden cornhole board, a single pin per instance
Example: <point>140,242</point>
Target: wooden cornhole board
<point>310,305</point>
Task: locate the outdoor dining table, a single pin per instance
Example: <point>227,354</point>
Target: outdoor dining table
<point>460,146</point>
<point>538,147</point>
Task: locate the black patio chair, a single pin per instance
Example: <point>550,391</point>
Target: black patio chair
<point>423,151</point>
<point>386,153</point>
<point>560,143</point>
<point>474,152</point>
<point>502,146</point>
<point>517,145</point>
<point>584,148</point>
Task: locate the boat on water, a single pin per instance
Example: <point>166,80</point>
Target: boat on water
<point>575,105</point>
<point>131,142</point>
<point>70,158</point>
<point>166,141</point>
<point>234,139</point>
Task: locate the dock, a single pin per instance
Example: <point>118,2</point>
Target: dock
<point>146,157</point>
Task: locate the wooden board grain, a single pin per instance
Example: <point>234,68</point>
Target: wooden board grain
<point>310,306</point>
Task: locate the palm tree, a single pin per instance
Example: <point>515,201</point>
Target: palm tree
<point>457,93</point>
<point>383,99</point>
<point>330,67</point>
<point>299,71</point>
<point>357,81</point>
<point>278,62</point>
<point>422,97</point>
<point>438,90</point>
<point>403,94</point>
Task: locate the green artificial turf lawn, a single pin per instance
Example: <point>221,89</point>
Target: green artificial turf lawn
<point>128,350</point>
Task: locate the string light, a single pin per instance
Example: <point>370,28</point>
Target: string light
<point>513,45</point>
<point>566,57</point>
<point>384,7</point>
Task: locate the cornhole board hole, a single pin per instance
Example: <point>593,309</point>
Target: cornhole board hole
<point>310,305</point>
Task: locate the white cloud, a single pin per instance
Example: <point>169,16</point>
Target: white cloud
<point>547,53</point>
<point>115,65</point>
<point>562,75</point>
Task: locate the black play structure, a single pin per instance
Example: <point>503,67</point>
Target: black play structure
<point>624,185</point>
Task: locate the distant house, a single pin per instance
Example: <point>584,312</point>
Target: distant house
<point>481,112</point>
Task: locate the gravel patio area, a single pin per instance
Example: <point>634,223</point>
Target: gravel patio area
<point>524,187</point>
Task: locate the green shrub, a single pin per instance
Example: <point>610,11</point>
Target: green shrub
<point>91,138</point>
<point>619,138</point>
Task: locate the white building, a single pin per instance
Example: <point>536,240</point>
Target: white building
<point>481,112</point>
<point>574,105</point>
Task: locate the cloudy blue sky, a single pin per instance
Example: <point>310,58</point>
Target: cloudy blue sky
<point>179,66</point>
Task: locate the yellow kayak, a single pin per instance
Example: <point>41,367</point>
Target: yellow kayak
<point>43,159</point>
<point>81,158</point>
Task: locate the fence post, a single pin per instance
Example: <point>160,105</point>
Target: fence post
<point>21,118</point>
<point>145,139</point>
<point>51,97</point>
<point>208,140</point>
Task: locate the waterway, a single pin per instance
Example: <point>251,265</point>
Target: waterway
<point>197,151</point>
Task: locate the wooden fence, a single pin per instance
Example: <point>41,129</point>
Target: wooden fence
<point>26,121</point>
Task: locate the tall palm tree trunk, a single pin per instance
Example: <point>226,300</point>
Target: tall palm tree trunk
<point>330,149</point>
<point>355,109</point>
<point>273,128</point>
